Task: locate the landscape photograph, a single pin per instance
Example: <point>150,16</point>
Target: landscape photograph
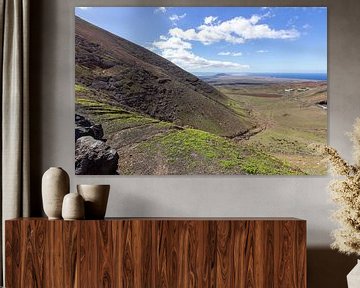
<point>200,90</point>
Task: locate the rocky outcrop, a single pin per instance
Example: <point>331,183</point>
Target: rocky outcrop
<point>84,127</point>
<point>94,157</point>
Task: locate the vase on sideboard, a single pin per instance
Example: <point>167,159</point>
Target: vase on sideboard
<point>353,278</point>
<point>73,207</point>
<point>55,185</point>
<point>96,198</point>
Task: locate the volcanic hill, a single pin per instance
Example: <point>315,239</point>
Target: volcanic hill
<point>142,81</point>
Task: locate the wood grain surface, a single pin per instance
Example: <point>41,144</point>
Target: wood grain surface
<point>241,253</point>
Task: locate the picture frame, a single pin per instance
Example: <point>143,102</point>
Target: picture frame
<point>159,116</point>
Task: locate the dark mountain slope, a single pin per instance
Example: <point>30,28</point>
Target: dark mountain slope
<point>138,80</point>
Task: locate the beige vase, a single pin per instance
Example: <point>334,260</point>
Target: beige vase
<point>96,198</point>
<point>353,278</point>
<point>73,207</point>
<point>55,185</point>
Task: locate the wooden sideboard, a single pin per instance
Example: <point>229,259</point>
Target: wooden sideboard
<point>156,252</point>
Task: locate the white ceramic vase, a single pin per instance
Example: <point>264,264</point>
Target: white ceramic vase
<point>353,278</point>
<point>96,198</point>
<point>55,185</point>
<point>73,207</point>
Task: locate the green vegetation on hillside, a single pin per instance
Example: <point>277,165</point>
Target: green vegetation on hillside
<point>179,150</point>
<point>195,148</point>
<point>111,117</point>
<point>80,88</point>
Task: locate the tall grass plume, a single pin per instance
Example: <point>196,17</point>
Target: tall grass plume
<point>345,192</point>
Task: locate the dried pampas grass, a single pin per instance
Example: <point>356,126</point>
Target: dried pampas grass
<point>345,191</point>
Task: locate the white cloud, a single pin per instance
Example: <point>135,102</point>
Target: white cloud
<point>176,46</point>
<point>171,43</point>
<point>188,60</point>
<point>224,53</point>
<point>268,14</point>
<point>209,19</point>
<point>174,18</point>
<point>205,36</point>
<point>83,8</point>
<point>306,26</point>
<point>179,52</point>
<point>236,30</point>
<point>227,53</point>
<point>160,10</point>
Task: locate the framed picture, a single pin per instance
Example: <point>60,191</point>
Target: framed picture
<point>200,90</point>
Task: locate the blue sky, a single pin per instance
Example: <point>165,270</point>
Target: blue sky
<point>224,39</point>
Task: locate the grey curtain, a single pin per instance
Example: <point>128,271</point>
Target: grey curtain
<point>14,37</point>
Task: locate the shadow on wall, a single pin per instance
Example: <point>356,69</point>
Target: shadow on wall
<point>35,104</point>
<point>328,268</point>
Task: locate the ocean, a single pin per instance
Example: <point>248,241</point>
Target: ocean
<point>304,76</point>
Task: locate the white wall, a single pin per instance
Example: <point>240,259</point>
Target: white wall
<point>303,197</point>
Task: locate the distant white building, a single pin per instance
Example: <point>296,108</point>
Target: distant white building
<point>303,89</point>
